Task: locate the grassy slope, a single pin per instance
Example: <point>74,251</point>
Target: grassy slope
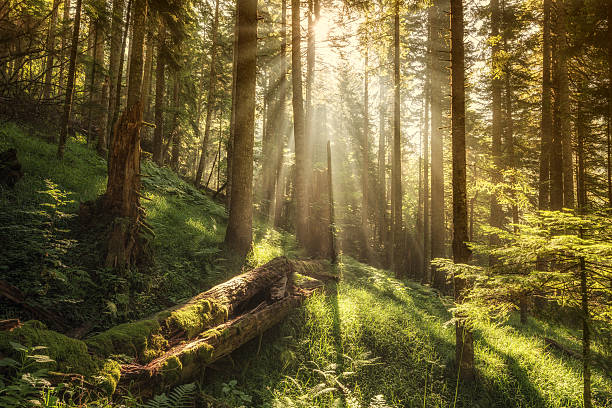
<point>384,341</point>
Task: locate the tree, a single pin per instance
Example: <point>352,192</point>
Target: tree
<point>396,171</point>
<point>239,229</point>
<point>546,121</point>
<point>299,135</point>
<point>70,81</point>
<point>212,81</point>
<point>50,50</point>
<point>116,52</point>
<point>160,91</point>
<point>464,350</point>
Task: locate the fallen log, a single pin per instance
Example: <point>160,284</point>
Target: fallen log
<point>175,345</point>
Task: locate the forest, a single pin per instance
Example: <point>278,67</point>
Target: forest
<point>305,203</point>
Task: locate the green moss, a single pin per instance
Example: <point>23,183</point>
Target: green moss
<point>195,317</point>
<point>156,347</point>
<point>171,370</point>
<point>70,354</point>
<point>129,338</point>
<point>109,376</point>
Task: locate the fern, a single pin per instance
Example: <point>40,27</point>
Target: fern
<point>182,396</point>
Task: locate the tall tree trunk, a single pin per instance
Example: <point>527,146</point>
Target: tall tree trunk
<point>239,229</point>
<point>147,81</point>
<point>160,90</point>
<point>64,40</point>
<point>382,165</point>
<point>212,82</point>
<point>464,350</point>
<point>116,50</point>
<point>610,104</point>
<point>282,103</point>
<point>70,84</point>
<point>581,126</point>
<point>438,77</point>
<point>546,122</point>
<point>365,163</point>
<point>230,140</point>
<point>496,215</point>
<point>396,172</point>
<point>121,200</point>
<point>100,89</point>
<point>556,150</point>
<point>564,107</point>
<point>50,50</point>
<point>176,132</point>
<point>427,96</point>
<point>299,134</point>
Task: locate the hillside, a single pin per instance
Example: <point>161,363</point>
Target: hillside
<point>369,340</point>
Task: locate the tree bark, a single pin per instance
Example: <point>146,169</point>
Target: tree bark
<point>301,195</point>
<point>496,218</point>
<point>160,90</point>
<point>239,230</point>
<point>115,67</point>
<point>50,50</point>
<point>230,140</point>
<point>212,82</point>
<point>546,122</point>
<point>176,132</point>
<point>556,149</point>
<point>396,173</point>
<point>610,105</point>
<point>438,77</point>
<point>382,165</point>
<point>564,107</point>
<point>64,40</point>
<point>365,163</point>
<point>464,350</point>
<point>70,85</point>
<point>426,272</point>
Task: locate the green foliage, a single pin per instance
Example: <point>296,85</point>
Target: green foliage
<point>182,396</point>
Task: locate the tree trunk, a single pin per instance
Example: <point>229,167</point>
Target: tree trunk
<point>121,200</point>
<point>496,214</point>
<point>230,140</point>
<point>438,77</point>
<point>426,272</point>
<point>382,165</point>
<point>160,90</point>
<point>100,101</point>
<point>365,164</point>
<point>239,229</point>
<point>212,82</point>
<point>70,85</point>
<point>464,350</point>
<point>50,50</point>
<point>299,128</point>
<point>564,107</point>
<point>282,104</point>
<point>556,150</point>
<point>546,122</point>
<point>396,173</point>
<point>117,46</point>
<point>610,105</point>
<point>176,132</point>
<point>64,40</point>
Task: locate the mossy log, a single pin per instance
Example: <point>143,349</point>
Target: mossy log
<point>176,344</point>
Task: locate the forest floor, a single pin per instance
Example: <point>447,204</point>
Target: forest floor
<point>368,341</point>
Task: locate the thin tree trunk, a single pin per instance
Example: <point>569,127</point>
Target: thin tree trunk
<point>396,185</point>
<point>212,82</point>
<point>282,103</point>
<point>610,104</point>
<point>230,140</point>
<point>496,218</point>
<point>332,227</point>
<point>64,40</point>
<point>301,195</point>
<point>70,85</point>
<point>556,150</point>
<point>239,229</point>
<point>116,50</point>
<point>160,90</point>
<point>176,133</point>
<point>438,77</point>
<point>464,350</point>
<point>564,107</point>
<point>365,163</point>
<point>382,165</point>
<point>546,122</point>
<point>50,50</point>
<point>427,96</point>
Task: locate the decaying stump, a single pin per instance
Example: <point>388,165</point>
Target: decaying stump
<point>10,168</point>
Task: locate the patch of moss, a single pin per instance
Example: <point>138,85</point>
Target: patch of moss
<point>171,370</point>
<point>109,376</point>
<point>156,347</point>
<point>195,317</point>
<point>128,338</point>
<point>70,354</point>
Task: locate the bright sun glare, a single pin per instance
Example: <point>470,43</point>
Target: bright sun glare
<point>322,28</point>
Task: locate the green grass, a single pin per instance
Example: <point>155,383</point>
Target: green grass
<point>368,341</point>
<point>395,347</point>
